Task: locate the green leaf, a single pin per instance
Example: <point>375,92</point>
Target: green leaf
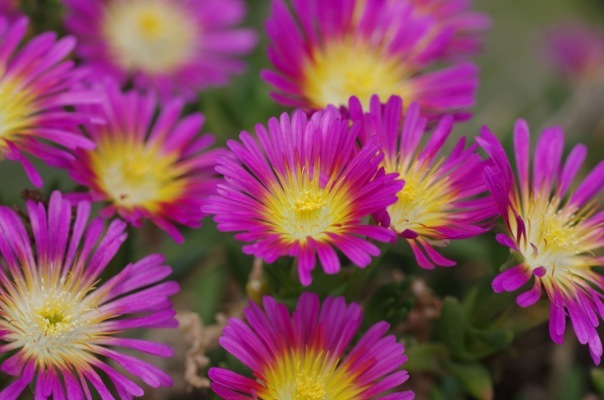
<point>474,378</point>
<point>426,357</point>
<point>597,379</point>
<point>452,327</point>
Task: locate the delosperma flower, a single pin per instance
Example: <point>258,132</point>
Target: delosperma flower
<point>145,167</point>
<point>36,82</point>
<point>554,230</point>
<point>303,188</point>
<point>325,51</point>
<point>175,47</point>
<point>575,50</point>
<point>442,198</point>
<point>306,356</point>
<point>59,323</point>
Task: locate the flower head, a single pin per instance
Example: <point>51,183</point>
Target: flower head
<point>323,55</point>
<point>301,188</point>
<point>171,46</point>
<point>576,51</point>
<point>441,199</point>
<point>146,167</point>
<point>58,323</point>
<point>554,230</point>
<point>35,84</point>
<point>304,356</point>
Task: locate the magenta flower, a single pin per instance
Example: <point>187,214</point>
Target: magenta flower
<point>553,230</point>
<point>175,47</point>
<point>58,322</point>
<point>325,51</point>
<point>442,200</point>
<point>146,167</point>
<point>304,356</point>
<point>35,84</point>
<point>576,51</point>
<point>468,26</point>
<point>9,9</point>
<point>301,189</point>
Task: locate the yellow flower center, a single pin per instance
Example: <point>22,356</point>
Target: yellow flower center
<point>136,175</point>
<point>15,109</point>
<point>301,209</point>
<point>52,318</point>
<point>554,237</point>
<point>341,69</point>
<point>308,375</point>
<point>422,203</point>
<point>55,318</point>
<point>154,36</point>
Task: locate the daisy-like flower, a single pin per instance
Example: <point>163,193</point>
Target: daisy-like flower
<point>323,54</point>
<point>146,167</point>
<point>58,323</point>
<point>304,356</point>
<point>301,189</point>
<point>553,230</point>
<point>171,46</point>
<point>35,84</point>
<point>468,26</point>
<point>576,50</point>
<point>442,199</point>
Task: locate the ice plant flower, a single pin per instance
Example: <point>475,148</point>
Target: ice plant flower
<point>35,84</point>
<point>553,230</point>
<point>9,9</point>
<point>304,356</point>
<point>59,323</point>
<point>576,50</point>
<point>323,55</point>
<point>442,198</point>
<point>302,188</point>
<point>175,47</point>
<point>146,167</point>
<point>468,26</point>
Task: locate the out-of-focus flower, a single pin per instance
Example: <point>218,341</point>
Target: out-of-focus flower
<point>553,230</point>
<point>9,9</point>
<point>145,167</point>
<point>304,356</point>
<point>576,51</point>
<point>467,26</point>
<point>301,189</point>
<point>323,55</point>
<point>442,198</point>
<point>175,47</point>
<point>58,322</point>
<point>35,84</point>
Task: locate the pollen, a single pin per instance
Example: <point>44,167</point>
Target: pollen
<point>309,202</point>
<point>421,203</point>
<point>348,68</point>
<point>135,175</point>
<point>309,388</point>
<point>55,319</point>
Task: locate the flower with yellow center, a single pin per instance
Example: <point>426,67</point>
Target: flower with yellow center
<point>58,320</point>
<point>554,233</point>
<point>441,199</point>
<point>326,51</point>
<point>304,357</point>
<point>152,36</point>
<point>172,47</point>
<point>36,83</point>
<point>143,167</point>
<point>302,188</point>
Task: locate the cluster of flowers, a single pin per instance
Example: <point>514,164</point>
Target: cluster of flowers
<point>355,166</point>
